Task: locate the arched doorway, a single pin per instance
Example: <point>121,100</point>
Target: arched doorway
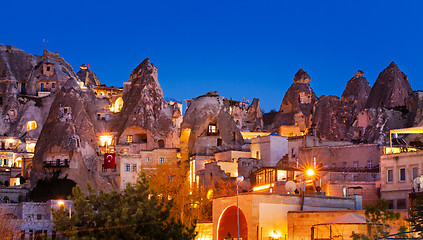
<point>227,227</point>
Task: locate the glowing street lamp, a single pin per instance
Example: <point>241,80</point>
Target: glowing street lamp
<point>238,180</point>
<point>309,173</point>
<point>61,203</point>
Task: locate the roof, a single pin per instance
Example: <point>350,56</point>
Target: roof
<point>407,130</point>
<point>350,218</point>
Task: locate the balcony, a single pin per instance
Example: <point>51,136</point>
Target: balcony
<point>57,163</point>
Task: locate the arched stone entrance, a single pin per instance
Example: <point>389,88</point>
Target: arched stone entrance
<point>227,227</point>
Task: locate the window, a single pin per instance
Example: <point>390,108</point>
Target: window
<point>102,168</point>
<point>129,139</point>
<point>167,159</point>
<point>389,175</point>
<point>369,164</point>
<point>134,167</point>
<point>107,117</point>
<point>53,85</point>
<point>147,159</point>
<point>39,216</point>
<point>31,125</point>
<point>127,167</point>
<point>293,152</point>
<point>355,164</point>
<point>257,154</point>
<point>401,204</point>
<point>161,143</point>
<point>401,175</point>
<point>114,169</point>
<point>415,172</point>
<point>219,142</point>
<point>5,161</point>
<point>161,160</point>
<point>48,68</point>
<point>212,129</point>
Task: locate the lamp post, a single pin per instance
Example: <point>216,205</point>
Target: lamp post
<point>238,180</point>
<point>308,174</point>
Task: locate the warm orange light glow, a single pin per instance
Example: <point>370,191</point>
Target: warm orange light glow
<point>117,106</point>
<point>310,172</point>
<point>30,147</point>
<point>275,234</point>
<point>106,139</point>
<point>262,187</point>
<point>31,125</point>
<point>210,194</point>
<point>60,203</point>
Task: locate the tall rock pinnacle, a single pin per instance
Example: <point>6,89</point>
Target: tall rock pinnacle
<point>391,89</point>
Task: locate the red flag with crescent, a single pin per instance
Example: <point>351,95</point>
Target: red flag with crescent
<point>109,160</point>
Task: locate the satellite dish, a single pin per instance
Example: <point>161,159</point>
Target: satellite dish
<point>300,187</point>
<point>290,186</point>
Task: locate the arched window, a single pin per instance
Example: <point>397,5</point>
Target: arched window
<point>31,125</point>
<point>161,143</point>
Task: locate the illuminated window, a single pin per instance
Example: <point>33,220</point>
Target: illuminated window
<point>369,164</point>
<point>212,129</point>
<point>30,147</point>
<point>355,164</point>
<point>31,125</point>
<point>134,167</point>
<point>147,159</point>
<point>167,159</point>
<point>161,160</point>
<point>129,138</point>
<point>127,167</point>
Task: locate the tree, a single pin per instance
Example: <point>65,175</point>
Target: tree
<point>137,213</point>
<point>10,226</point>
<point>416,214</point>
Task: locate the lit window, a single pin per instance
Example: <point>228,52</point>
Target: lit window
<point>389,175</point>
<point>212,129</point>
<point>167,159</point>
<point>129,138</point>
<point>369,164</point>
<point>127,167</point>
<point>134,167</point>
<point>401,174</point>
<point>161,160</point>
<point>53,85</point>
<point>147,159</point>
<point>31,125</point>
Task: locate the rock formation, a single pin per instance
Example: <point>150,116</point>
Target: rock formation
<point>145,107</point>
<point>87,76</point>
<point>297,104</point>
<point>357,91</point>
<point>28,84</point>
<point>69,140</point>
<point>254,116</point>
<point>331,118</point>
<point>391,89</point>
<point>208,126</point>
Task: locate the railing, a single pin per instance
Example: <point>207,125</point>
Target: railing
<point>351,176</point>
<point>56,163</point>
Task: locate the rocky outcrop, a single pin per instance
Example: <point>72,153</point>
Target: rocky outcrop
<point>70,136</point>
<point>254,116</point>
<point>391,89</point>
<point>145,107</point>
<point>208,126</point>
<point>297,104</point>
<point>357,91</point>
<point>87,76</point>
<point>331,118</point>
<point>27,87</point>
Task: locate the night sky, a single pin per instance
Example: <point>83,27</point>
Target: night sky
<point>239,48</point>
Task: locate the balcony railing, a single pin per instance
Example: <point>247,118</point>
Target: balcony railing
<point>351,176</point>
<point>56,163</point>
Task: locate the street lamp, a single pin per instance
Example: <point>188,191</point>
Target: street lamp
<point>238,180</point>
<point>309,174</point>
<point>62,203</point>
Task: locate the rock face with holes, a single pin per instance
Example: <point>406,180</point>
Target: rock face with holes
<point>297,104</point>
<point>68,142</point>
<point>87,76</point>
<point>208,126</point>
<point>357,91</point>
<point>28,84</point>
<point>254,120</point>
<point>145,109</point>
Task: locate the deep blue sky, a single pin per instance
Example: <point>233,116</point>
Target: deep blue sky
<point>239,48</point>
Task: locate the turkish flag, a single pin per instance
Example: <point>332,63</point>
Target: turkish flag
<point>109,160</point>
